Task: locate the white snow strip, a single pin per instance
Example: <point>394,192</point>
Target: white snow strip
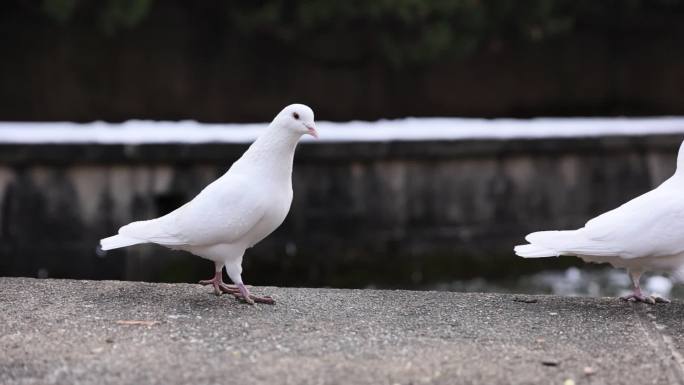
<point>409,129</point>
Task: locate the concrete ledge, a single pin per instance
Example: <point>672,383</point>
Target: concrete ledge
<point>192,153</point>
<point>63,331</point>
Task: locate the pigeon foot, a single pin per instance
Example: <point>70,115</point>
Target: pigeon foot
<point>649,299</point>
<point>638,298</point>
<point>219,286</point>
<point>243,294</point>
<point>659,299</point>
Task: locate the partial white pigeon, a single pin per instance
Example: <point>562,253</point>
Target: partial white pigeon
<point>237,210</point>
<point>644,234</point>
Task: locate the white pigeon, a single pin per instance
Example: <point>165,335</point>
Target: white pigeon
<point>644,234</point>
<point>237,210</point>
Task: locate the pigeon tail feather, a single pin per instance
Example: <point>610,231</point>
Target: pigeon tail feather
<point>116,241</point>
<point>534,251</point>
<point>151,231</point>
<point>572,242</point>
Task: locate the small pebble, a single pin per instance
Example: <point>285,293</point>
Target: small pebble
<point>550,363</point>
<point>524,299</point>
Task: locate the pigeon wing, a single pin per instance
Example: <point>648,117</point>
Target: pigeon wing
<point>224,212</point>
<point>649,225</point>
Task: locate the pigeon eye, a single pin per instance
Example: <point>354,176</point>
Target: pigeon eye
<point>296,115</point>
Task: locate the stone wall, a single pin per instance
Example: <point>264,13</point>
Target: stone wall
<point>395,214</point>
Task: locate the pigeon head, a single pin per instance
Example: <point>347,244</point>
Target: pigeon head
<point>297,118</point>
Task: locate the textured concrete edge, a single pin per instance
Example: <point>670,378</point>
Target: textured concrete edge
<point>66,153</point>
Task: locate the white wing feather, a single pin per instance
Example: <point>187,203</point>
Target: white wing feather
<point>221,213</point>
<point>649,225</point>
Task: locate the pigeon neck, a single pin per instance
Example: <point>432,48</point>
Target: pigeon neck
<point>274,150</point>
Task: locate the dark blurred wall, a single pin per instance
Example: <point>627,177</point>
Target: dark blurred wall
<point>402,214</point>
<point>241,61</point>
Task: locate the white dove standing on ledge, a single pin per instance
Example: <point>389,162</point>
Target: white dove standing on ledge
<point>644,234</point>
<point>237,210</point>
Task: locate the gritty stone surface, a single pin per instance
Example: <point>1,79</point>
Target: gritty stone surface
<point>109,332</point>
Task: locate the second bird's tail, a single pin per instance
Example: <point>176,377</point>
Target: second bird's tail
<point>551,244</point>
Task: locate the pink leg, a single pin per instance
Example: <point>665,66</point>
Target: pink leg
<point>234,270</point>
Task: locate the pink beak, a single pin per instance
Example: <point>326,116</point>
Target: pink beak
<point>312,130</point>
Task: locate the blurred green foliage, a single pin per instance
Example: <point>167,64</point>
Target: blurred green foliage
<point>111,15</point>
<point>396,32</point>
<point>123,13</point>
<point>399,31</point>
<point>59,10</point>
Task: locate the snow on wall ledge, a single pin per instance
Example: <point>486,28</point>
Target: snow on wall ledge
<point>409,129</point>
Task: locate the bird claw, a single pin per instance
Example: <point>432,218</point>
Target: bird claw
<point>241,298</point>
<point>230,289</point>
<point>252,299</point>
<point>219,286</point>
<point>659,299</point>
<point>213,282</point>
<point>649,299</point>
<point>244,295</point>
<point>638,298</point>
<point>267,299</point>
<point>240,292</point>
